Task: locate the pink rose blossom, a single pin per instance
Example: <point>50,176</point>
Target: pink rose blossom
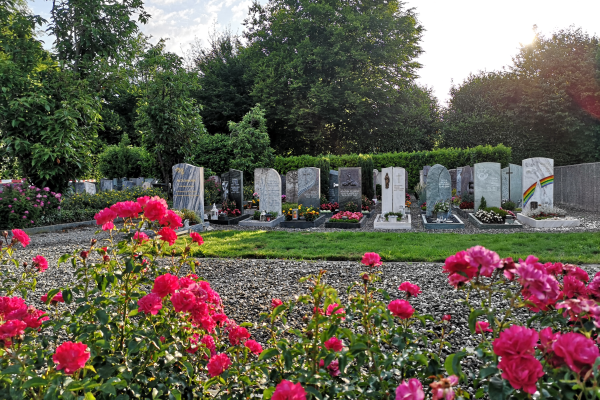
<point>481,327</point>
<point>183,301</point>
<point>516,340</point>
<point>127,209</point>
<point>401,309</point>
<point>442,389</point>
<point>150,304</point>
<point>340,311</point>
<point>70,357</point>
<point>334,344</point>
<point>253,346</point>
<point>58,298</point>
<point>12,328</point>
<point>286,390</point>
<point>196,238</point>
<point>534,278</point>
<point>154,210</point>
<point>446,317</point>
<point>238,335</point>
<point>171,219</point>
<point>333,368</point>
<point>547,339</point>
<point>410,289</point>
<point>105,218</point>
<point>573,287</point>
<point>168,235</point>
<point>486,259</point>
<point>40,263</point>
<point>276,302</point>
<point>218,364</point>
<point>410,390</point>
<point>459,264</point>
<point>371,259</point>
<point>577,272</point>
<point>21,237</point>
<point>521,371</point>
<point>140,237</point>
<point>165,285</point>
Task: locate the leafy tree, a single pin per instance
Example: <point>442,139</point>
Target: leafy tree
<point>168,117</point>
<point>250,142</point>
<point>328,72</point>
<point>125,160</point>
<point>48,119</point>
<point>225,79</point>
<point>214,152</point>
<point>546,105</point>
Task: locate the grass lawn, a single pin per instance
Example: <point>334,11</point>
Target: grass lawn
<point>583,248</point>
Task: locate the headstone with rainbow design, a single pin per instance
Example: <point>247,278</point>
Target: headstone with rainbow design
<point>538,182</point>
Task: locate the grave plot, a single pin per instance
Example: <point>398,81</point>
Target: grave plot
<point>393,200</point>
<point>347,220</point>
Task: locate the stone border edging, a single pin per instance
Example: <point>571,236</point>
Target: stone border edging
<point>55,228</point>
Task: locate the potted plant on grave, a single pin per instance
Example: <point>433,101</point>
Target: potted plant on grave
<point>442,208</point>
<point>351,206</point>
<point>423,207</point>
<point>255,200</point>
<point>393,216</point>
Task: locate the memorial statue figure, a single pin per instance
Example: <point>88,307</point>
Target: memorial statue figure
<point>349,181</point>
<point>387,181</point>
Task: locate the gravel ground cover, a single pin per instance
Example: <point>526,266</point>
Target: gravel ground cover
<point>247,286</point>
<point>590,222</point>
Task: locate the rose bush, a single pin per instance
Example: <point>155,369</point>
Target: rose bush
<point>132,326</point>
<point>21,206</point>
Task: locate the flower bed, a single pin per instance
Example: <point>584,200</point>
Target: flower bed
<point>138,328</point>
<point>478,224</point>
<point>347,220</point>
<point>22,206</point>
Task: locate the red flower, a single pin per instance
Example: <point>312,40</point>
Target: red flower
<point>577,351</point>
<point>58,298</point>
<point>196,238</point>
<point>218,364</point>
<point>165,285</point>
<point>481,327</point>
<point>593,288</point>
<point>410,289</point>
<point>401,309</point>
<point>21,236</point>
<point>509,268</point>
<point>12,328</point>
<point>276,303</point>
<point>150,304</point>
<point>10,304</point>
<point>71,357</point>
<point>154,210</point>
<point>521,371</point>
<point>127,209</point>
<point>447,317</point>
<point>516,340</point>
<point>84,254</point>
<point>40,263</point>
<point>238,335</point>
<point>253,346</point>
<point>577,272</point>
<point>442,389</point>
<point>371,259</point>
<point>411,390</point>
<point>209,343</point>
<point>140,237</point>
<point>334,344</point>
<point>457,265</point>
<point>333,368</point>
<point>554,269</point>
<point>286,390</point>
<point>573,287</point>
<point>332,307</point>
<point>35,318</point>
<point>208,324</point>
<point>168,235</point>
<point>184,300</point>
<point>171,219</point>
<point>106,218</point>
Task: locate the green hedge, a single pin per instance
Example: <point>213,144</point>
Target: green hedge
<point>413,162</point>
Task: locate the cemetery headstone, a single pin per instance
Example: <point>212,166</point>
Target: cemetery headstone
<point>85,187</point>
<point>283,186</point>
<point>128,184</point>
<point>146,185</point>
<point>487,181</point>
<point>376,180</point>
<point>117,184</point>
<point>538,182</point>
<point>466,181</point>
<point>421,177</point>
<point>138,181</point>
<point>232,183</point>
<point>393,190</point>
<point>453,178</point>
<point>309,187</point>
<point>149,180</point>
<point>512,189</point>
<point>459,180</point>
<point>106,185</point>
<point>291,186</point>
<point>188,188</point>
<point>333,186</point>
<point>425,173</point>
<point>267,183</point>
<point>439,187</point>
<point>350,187</point>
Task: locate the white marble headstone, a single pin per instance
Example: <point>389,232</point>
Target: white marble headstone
<point>487,183</point>
<point>393,190</point>
<point>538,182</point>
<point>267,183</point>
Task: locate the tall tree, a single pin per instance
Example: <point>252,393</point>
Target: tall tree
<point>168,117</point>
<point>226,81</point>
<point>48,119</point>
<point>329,71</point>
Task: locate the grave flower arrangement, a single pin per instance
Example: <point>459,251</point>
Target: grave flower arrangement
<point>346,216</point>
<point>229,209</point>
<point>424,206</point>
<point>397,214</point>
<point>441,207</point>
<point>467,205</point>
<point>489,217</point>
<point>546,212</point>
<point>330,206</point>
<point>22,205</point>
<point>367,204</point>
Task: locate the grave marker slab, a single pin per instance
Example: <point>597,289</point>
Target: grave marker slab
<point>291,186</point>
<point>333,186</point>
<point>466,181</point>
<point>85,187</point>
<point>488,184</point>
<point>393,190</point>
<point>232,185</point>
<point>516,183</point>
<point>267,183</point>
<point>138,181</point>
<point>350,186</point>
<point>538,182</point>
<point>309,187</point>
<point>438,186</point>
<point>188,188</point>
<point>106,185</point>
<point>283,186</point>
<point>128,184</point>
<point>459,180</point>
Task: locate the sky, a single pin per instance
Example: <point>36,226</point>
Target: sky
<point>461,36</point>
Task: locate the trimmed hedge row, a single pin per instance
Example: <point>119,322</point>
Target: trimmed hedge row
<point>412,162</point>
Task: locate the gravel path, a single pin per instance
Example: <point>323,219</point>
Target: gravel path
<point>590,222</point>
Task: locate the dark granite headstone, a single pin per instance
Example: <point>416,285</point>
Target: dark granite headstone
<point>439,186</point>
<point>232,184</point>
<point>453,178</point>
<point>333,186</point>
<point>106,185</point>
<point>283,186</point>
<point>466,181</point>
<point>188,188</point>
<point>350,187</point>
<point>309,187</point>
<point>291,187</point>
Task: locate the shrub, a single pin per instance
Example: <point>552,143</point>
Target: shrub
<point>498,211</point>
<point>413,162</point>
<point>365,162</point>
<point>468,197</point>
<point>367,203</point>
<point>509,205</point>
<point>323,164</point>
<point>124,160</point>
<point>330,206</point>
<point>22,206</point>
<point>467,205</point>
<point>482,204</point>
<point>350,206</point>
<point>212,192</point>
<point>190,215</point>
<point>102,200</point>
<point>397,214</point>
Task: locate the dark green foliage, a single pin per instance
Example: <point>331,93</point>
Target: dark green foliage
<point>126,161</point>
<point>467,197</point>
<point>324,165</point>
<point>546,105</point>
<point>483,204</point>
<point>365,162</point>
<point>66,217</point>
<point>225,80</point>
<point>102,200</point>
<point>412,162</point>
<point>497,210</point>
<point>331,74</point>
<point>214,152</point>
<point>509,205</point>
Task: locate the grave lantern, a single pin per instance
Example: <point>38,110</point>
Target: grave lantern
<point>214,213</point>
<point>263,216</point>
<point>295,214</point>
